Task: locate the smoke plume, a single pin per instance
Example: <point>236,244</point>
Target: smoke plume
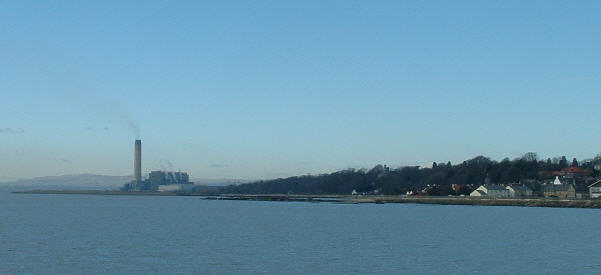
<point>133,127</point>
<point>115,113</point>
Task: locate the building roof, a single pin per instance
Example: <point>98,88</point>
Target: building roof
<point>571,169</point>
<point>595,184</point>
<point>520,188</point>
<point>480,192</point>
<point>557,187</point>
<point>494,187</point>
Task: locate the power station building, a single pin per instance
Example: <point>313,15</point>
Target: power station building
<point>157,180</point>
<point>164,178</point>
<point>170,181</point>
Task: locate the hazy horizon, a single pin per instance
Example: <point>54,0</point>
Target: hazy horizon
<point>145,174</point>
<point>274,89</point>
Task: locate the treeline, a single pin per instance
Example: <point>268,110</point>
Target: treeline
<point>436,180</point>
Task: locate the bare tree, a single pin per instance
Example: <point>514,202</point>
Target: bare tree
<point>530,157</point>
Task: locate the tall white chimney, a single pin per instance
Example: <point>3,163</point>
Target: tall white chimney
<point>138,161</point>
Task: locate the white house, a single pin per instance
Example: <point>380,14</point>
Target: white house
<point>496,191</point>
<point>557,181</point>
<point>516,191</point>
<point>477,193</point>
<point>595,190</point>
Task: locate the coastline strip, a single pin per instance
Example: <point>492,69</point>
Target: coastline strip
<point>378,199</point>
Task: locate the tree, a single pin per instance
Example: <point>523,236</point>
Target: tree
<point>563,162</point>
<point>575,162</point>
<point>588,172</point>
<point>530,157</point>
<point>400,180</point>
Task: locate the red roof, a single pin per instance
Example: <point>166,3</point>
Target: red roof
<point>571,170</point>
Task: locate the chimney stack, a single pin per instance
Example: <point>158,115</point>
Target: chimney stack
<point>138,161</point>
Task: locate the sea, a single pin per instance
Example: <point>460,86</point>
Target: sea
<point>100,234</point>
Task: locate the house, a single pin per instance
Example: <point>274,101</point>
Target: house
<point>486,190</point>
<point>548,174</point>
<point>457,187</point>
<point>571,172</point>
<point>477,193</point>
<point>582,191</point>
<point>516,191</point>
<point>557,181</point>
<point>559,191</point>
<point>595,190</point>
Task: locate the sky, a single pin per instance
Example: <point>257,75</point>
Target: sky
<point>266,89</point>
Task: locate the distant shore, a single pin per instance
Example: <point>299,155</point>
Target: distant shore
<point>531,202</point>
<point>96,192</point>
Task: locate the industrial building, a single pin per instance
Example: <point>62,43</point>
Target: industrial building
<point>157,180</point>
<point>170,181</point>
<point>165,178</point>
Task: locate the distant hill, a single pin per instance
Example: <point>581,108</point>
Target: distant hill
<point>219,182</point>
<point>92,182</point>
<point>78,182</point>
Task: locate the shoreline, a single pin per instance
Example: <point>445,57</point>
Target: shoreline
<point>95,192</point>
<point>377,199</point>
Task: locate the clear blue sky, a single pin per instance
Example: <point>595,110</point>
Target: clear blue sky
<point>263,89</point>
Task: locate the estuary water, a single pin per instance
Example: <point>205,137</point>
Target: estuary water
<point>88,234</point>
